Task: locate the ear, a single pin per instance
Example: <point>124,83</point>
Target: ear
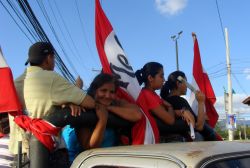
<point>178,83</point>
<point>46,60</point>
<point>150,78</point>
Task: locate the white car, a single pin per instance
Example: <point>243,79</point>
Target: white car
<point>216,154</point>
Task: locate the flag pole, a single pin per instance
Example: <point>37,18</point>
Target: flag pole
<point>194,36</point>
<point>229,82</point>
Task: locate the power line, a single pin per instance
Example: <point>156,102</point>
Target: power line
<point>63,35</point>
<point>221,25</point>
<point>84,33</point>
<point>69,35</point>
<point>242,89</point>
<point>55,34</point>
<point>16,21</point>
<point>27,11</point>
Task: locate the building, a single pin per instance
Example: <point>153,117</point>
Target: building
<point>247,101</point>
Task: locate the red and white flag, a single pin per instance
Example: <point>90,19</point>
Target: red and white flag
<point>114,60</point>
<point>8,98</point>
<point>201,82</point>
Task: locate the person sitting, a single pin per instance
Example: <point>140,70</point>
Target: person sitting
<point>172,91</point>
<point>154,107</point>
<point>102,89</point>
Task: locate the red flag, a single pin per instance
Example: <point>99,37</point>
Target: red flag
<point>8,98</point>
<point>201,82</point>
<point>114,60</point>
<point>10,103</point>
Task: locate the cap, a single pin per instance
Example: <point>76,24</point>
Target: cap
<point>38,52</point>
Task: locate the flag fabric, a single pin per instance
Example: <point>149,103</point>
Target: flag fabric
<point>201,82</point>
<point>10,103</point>
<point>114,60</point>
<point>8,98</point>
<point>41,129</point>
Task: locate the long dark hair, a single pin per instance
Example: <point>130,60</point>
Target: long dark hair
<point>150,68</point>
<point>99,81</point>
<point>171,84</point>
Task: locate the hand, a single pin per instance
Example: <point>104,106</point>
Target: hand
<point>200,97</point>
<point>101,112</point>
<point>188,117</point>
<point>75,109</point>
<point>79,82</point>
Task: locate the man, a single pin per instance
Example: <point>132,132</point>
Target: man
<point>40,88</point>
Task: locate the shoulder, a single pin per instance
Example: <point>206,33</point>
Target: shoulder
<point>150,96</point>
<point>56,77</point>
<point>147,92</point>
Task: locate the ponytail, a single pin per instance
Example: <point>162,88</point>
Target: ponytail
<point>165,90</point>
<point>139,76</point>
<point>150,68</point>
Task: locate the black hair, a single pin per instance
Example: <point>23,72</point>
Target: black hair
<point>99,81</point>
<point>171,84</point>
<point>150,68</point>
<point>35,64</point>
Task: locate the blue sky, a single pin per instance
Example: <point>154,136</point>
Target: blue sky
<point>144,28</point>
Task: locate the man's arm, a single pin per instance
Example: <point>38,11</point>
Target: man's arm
<point>88,102</point>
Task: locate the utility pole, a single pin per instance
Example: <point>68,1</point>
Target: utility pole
<point>175,39</point>
<point>229,82</point>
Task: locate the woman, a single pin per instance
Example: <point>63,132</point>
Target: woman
<point>103,89</point>
<point>172,91</point>
<point>153,106</point>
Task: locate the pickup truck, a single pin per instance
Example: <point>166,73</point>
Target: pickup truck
<point>216,154</point>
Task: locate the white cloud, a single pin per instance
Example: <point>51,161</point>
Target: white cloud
<point>238,106</point>
<point>170,7</point>
<point>247,72</point>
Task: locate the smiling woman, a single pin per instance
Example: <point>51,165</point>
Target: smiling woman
<point>102,89</point>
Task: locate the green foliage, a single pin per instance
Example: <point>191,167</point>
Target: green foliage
<point>220,129</point>
<point>239,133</point>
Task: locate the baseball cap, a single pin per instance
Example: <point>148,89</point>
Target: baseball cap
<point>38,52</point>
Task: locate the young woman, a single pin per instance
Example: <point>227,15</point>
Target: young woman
<point>152,76</point>
<point>172,91</point>
<point>103,89</point>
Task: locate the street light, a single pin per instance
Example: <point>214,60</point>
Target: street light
<point>175,38</point>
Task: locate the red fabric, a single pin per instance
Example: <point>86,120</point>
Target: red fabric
<point>147,100</point>
<point>218,137</point>
<point>103,29</point>
<point>8,98</point>
<point>41,129</point>
<point>205,86</point>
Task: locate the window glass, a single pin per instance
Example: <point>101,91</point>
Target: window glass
<point>232,163</point>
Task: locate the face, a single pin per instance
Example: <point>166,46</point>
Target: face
<point>182,87</point>
<point>158,80</point>
<point>105,94</point>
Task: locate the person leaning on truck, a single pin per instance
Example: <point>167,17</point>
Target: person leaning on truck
<point>39,88</point>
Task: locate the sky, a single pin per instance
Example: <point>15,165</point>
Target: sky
<point>144,29</point>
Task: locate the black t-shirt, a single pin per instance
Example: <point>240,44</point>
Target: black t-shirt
<point>180,103</point>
